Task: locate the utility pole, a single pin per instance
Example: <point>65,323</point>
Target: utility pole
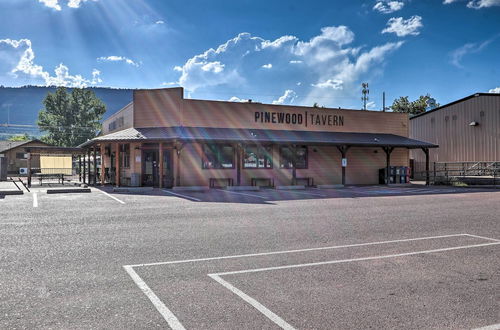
<point>383,101</point>
<point>365,93</point>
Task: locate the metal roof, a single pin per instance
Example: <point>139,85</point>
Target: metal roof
<point>192,134</point>
<point>454,102</point>
<point>7,145</point>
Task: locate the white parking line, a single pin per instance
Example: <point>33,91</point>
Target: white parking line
<point>299,250</point>
<point>355,259</point>
<point>172,321</point>
<point>490,327</point>
<point>183,196</point>
<point>35,199</point>
<point>257,305</point>
<point>110,196</point>
<point>240,193</point>
<point>282,323</point>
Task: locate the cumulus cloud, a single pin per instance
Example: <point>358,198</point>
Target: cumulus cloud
<point>267,66</point>
<point>20,63</point>
<point>477,4</point>
<point>237,99</point>
<point>160,22</point>
<point>387,7</point>
<point>495,90</point>
<point>330,83</point>
<point>403,27</point>
<point>329,65</point>
<point>287,98</point>
<point>114,58</point>
<point>54,4</point>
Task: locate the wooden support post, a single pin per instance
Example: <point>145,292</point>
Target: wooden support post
<point>95,166</point>
<point>160,175</point>
<point>293,148</point>
<point>84,169</point>
<point>29,169</point>
<point>88,165</point>
<point>238,150</point>
<point>343,152</point>
<point>80,168</point>
<point>178,148</point>
<point>388,151</point>
<point>103,168</point>
<point>117,164</point>
<point>427,179</point>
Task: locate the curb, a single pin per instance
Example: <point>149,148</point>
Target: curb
<point>68,191</point>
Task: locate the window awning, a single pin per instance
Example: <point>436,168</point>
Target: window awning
<point>210,134</point>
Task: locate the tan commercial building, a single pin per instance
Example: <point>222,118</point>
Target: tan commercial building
<point>17,156</point>
<point>162,139</point>
<point>467,132</point>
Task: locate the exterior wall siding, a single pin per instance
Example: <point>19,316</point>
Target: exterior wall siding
<point>120,120</point>
<point>458,141</point>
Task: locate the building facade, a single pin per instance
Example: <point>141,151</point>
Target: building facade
<point>467,130</point>
<point>162,139</point>
<point>17,156</point>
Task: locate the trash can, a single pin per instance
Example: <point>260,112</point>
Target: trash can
<point>135,180</point>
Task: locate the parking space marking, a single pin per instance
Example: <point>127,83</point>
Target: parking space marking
<point>183,196</point>
<point>256,270</point>
<point>111,196</point>
<point>240,193</point>
<point>167,314</point>
<point>282,323</point>
<point>490,327</point>
<point>175,324</point>
<point>35,199</point>
<point>257,305</point>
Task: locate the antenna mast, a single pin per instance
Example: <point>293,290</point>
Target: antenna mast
<point>365,93</point>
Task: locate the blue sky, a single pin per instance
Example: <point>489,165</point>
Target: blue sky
<point>284,52</point>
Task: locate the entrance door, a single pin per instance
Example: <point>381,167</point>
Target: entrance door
<point>150,177</point>
<point>168,173</point>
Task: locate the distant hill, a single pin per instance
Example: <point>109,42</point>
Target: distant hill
<point>25,103</point>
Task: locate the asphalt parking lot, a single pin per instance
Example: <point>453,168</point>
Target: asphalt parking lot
<point>351,258</point>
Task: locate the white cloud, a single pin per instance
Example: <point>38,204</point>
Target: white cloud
<point>403,27</point>
<point>469,48</point>
<point>387,7</point>
<point>114,58</point>
<point>330,83</point>
<point>160,22</point>
<point>371,105</point>
<point>287,98</point>
<point>267,66</point>
<point>20,64</point>
<point>329,67</point>
<point>215,67</point>
<point>237,99</point>
<point>477,4</point>
<point>495,90</point>
<point>54,4</point>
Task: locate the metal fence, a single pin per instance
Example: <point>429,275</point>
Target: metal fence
<point>448,173</point>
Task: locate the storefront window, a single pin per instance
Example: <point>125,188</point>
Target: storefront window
<point>125,155</point>
<point>286,157</point>
<point>217,156</point>
<point>257,157</point>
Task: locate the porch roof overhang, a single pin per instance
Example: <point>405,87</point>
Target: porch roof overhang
<point>55,150</point>
<point>258,136</point>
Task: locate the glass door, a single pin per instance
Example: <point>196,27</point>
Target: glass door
<point>150,168</point>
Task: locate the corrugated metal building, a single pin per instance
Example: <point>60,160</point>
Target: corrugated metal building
<point>467,130</point>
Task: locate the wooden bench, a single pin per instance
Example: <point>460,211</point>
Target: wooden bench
<point>308,182</point>
<point>270,182</point>
<point>213,182</point>
<point>41,177</point>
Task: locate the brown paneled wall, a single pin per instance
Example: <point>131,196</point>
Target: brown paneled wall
<point>157,107</point>
<point>324,166</point>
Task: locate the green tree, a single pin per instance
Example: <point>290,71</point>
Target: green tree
<point>70,118</point>
<point>402,104</point>
<point>20,137</point>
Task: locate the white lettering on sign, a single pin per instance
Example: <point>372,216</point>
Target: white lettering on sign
<point>344,162</point>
